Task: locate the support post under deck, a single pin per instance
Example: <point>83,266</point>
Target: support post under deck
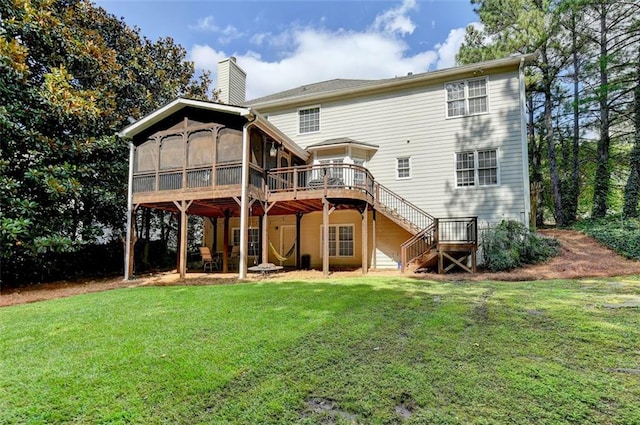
<point>325,237</point>
<point>365,242</point>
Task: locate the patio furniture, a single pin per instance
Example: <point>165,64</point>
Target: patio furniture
<point>208,260</point>
<point>265,268</point>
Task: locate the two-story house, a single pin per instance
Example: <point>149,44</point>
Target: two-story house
<point>342,173</point>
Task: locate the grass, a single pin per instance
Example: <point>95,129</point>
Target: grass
<point>363,350</point>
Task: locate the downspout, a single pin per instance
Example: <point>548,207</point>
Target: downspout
<point>525,148</point>
<point>127,248</point>
<point>244,203</point>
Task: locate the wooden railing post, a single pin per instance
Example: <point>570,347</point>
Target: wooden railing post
<point>325,181</point>
<point>475,226</point>
<point>295,182</point>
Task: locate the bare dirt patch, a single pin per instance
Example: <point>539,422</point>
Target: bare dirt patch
<point>580,257</point>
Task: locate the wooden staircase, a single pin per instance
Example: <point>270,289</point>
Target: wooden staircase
<point>447,243</point>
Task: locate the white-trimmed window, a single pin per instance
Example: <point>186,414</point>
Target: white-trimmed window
<point>468,97</point>
<point>333,168</point>
<point>340,240</point>
<point>254,240</point>
<point>359,177</point>
<point>477,168</point>
<point>403,167</point>
<point>309,120</point>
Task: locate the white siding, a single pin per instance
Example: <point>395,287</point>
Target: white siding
<point>231,82</point>
<point>413,123</point>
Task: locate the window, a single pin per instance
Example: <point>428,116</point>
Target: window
<point>340,240</point>
<point>359,176</point>
<point>465,169</point>
<point>254,240</point>
<point>466,97</point>
<point>309,120</point>
<point>487,168</point>
<point>477,168</point>
<point>403,168</point>
<point>333,167</point>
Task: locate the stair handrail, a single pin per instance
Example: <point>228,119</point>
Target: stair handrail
<point>418,244</point>
<point>413,214</point>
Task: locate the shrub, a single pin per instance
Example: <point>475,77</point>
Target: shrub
<point>510,244</point>
<point>620,234</point>
<point>94,260</point>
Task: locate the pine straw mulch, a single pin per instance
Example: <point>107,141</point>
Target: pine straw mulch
<point>580,257</point>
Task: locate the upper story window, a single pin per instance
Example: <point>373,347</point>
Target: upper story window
<point>403,167</point>
<point>477,168</point>
<point>467,97</point>
<point>309,120</point>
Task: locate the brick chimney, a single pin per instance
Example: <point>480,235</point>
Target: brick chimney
<point>232,82</point>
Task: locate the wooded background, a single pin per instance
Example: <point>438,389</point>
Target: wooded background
<point>583,98</point>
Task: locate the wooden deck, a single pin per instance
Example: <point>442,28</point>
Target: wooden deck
<point>216,192</point>
<point>283,191</point>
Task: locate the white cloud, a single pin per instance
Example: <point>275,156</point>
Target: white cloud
<point>206,24</point>
<point>281,42</point>
<point>206,57</point>
<point>396,21</point>
<point>310,54</point>
<point>449,48</point>
<point>227,33</point>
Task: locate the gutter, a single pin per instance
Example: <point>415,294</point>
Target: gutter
<point>127,248</point>
<point>525,147</point>
<point>392,83</point>
<point>244,202</point>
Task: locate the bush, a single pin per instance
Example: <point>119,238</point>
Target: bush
<point>510,244</point>
<point>621,235</point>
<point>94,260</point>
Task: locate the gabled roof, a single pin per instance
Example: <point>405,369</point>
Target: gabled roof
<point>179,103</point>
<point>175,106</point>
<point>325,90</point>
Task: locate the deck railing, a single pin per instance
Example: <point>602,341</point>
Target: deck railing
<point>418,244</point>
<point>144,183</point>
<point>459,230</point>
<point>223,174</point>
<point>199,177</point>
<point>398,205</point>
<point>320,176</point>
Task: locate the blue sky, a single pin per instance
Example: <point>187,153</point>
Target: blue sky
<point>285,44</point>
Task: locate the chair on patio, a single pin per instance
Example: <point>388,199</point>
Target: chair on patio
<point>207,259</point>
<point>234,257</point>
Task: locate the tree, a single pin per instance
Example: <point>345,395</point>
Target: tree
<point>70,75</point>
<point>614,36</point>
<point>572,93</point>
<point>632,188</point>
<point>525,26</point>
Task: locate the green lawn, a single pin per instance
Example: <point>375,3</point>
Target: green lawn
<point>363,350</point>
